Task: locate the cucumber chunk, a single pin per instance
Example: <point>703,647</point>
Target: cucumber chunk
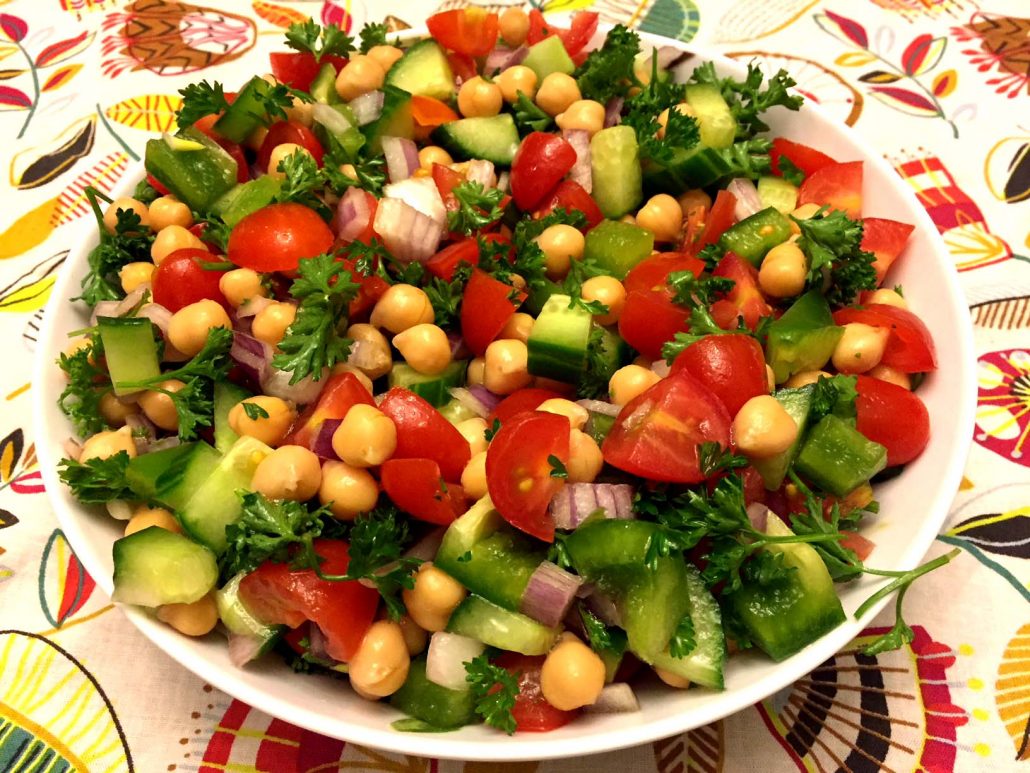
<point>756,234</point>
<point>394,121</point>
<point>615,168</point>
<point>492,138</point>
<point>479,522</point>
<point>154,567</point>
<point>495,626</point>
<point>130,350</point>
<point>246,112</point>
<point>716,123</point>
<point>704,664</point>
<point>433,389</point>
<point>547,56</point>
<point>423,70</point>
<point>239,620</point>
<point>246,198</point>
<point>777,192</point>
<point>497,568</point>
<point>227,395</point>
<point>172,476</point>
<point>558,342</point>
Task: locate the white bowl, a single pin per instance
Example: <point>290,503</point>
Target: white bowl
<point>913,508</point>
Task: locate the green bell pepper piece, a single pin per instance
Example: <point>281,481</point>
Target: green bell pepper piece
<point>617,247</point>
<point>803,338</point>
<point>837,457</point>
<point>755,235</point>
<point>198,171</point>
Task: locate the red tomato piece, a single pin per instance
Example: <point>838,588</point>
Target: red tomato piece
<point>732,366</point>
<point>652,274</point>
<point>656,434</point>
<point>571,196</point>
<point>338,395</point>
<point>521,401</point>
<point>855,541</point>
<point>540,162</point>
<point>649,320</point>
<point>893,417</point>
<point>417,488</point>
<point>808,160</point>
<point>156,185</point>
<point>719,219</point>
<point>289,131</point>
<point>276,237</point>
<point>181,279</point>
<point>910,347</point>
<point>423,433</point>
<point>486,307</point>
<point>532,712</point>
<point>432,112</point>
<point>886,239</point>
<point>294,68</point>
<point>470,31</point>
<point>344,611</point>
<point>370,290</point>
<point>584,25</point>
<point>744,300</point>
<point>518,473</point>
<point>838,186</point>
<point>444,263</point>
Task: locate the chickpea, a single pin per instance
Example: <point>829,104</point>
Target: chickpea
<point>433,598</point>
<point>196,619</point>
<point>572,675</point>
<point>474,432</point>
<point>629,382</point>
<point>805,377</point>
<point>114,411</point>
<point>425,348</point>
<point>888,298</point>
<point>557,92</point>
<point>360,75</point>
<point>375,349</point>
<point>270,428</point>
<point>575,413</point>
<point>144,517</point>
<point>515,79</point>
<point>585,114</point>
<point>343,367</point>
<point>860,348</point>
<point>518,327</point>
<point>366,437</point>
<point>158,406</point>
<point>348,170</point>
<point>301,112</point>
<point>473,477</point>
<point>806,211</point>
<point>127,204</point>
<point>349,491</point>
<point>415,638</point>
<point>108,443</point>
<point>585,458</point>
<point>516,280</point>
<point>695,198</point>
<point>385,56</point>
<point>133,275</point>
<point>609,291</point>
<point>190,325</point>
<point>289,472</point>
<point>476,372</point>
<point>762,428</point>
<point>168,210</point>
<point>172,239</point>
<point>671,679</point>
<point>514,24</point>
<point>380,665</point>
<point>662,216</point>
<point>241,284</point>
<point>783,271</point>
<point>507,367</point>
<point>561,244</point>
<point>891,376</point>
<point>402,306</point>
<point>479,98</point>
<point>270,324</point>
<point>434,154</point>
<point>279,154</point>
<point>663,117</point>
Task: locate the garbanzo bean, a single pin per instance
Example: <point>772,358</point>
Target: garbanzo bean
<point>168,210</point>
<point>349,491</point>
<point>518,327</point>
<point>474,431</point>
<point>556,93</point>
<point>159,407</point>
<point>473,477</point>
<point>132,275</point>
<point>359,76</point>
<point>402,306</point>
<point>561,244</point>
<point>108,443</point>
<point>585,458</point>
<point>506,367</point>
<point>860,349</point>
<point>784,270</point>
<point>289,472</point>
<point>763,428</point>
<point>572,675</point>
<point>478,98</point>
<point>380,665</point>
<point>514,26</point>
<point>376,357</point>
<point>114,411</point>
<point>144,517</point>
<point>240,285</point>
<point>425,347</point>
<point>662,216</point>
<point>366,437</point>
<point>433,598</point>
<point>512,80</point>
<point>190,325</point>
<point>127,204</point>
<point>272,418</point>
<point>172,239</point>
<point>196,619</point>
<point>575,413</point>
<point>609,291</point>
<point>271,323</point>
<point>629,382</point>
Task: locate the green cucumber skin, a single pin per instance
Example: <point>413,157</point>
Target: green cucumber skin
<point>497,568</point>
<point>705,664</point>
<point>558,343</point>
<point>245,113</point>
<point>548,56</point>
<point>154,567</point>
<point>227,395</point>
<point>615,169</point>
<point>797,403</point>
<point>173,475</point>
<point>495,626</point>
<point>493,138</point>
<point>433,389</point>
<point>130,350</point>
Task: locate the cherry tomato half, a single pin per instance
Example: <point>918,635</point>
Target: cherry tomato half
<point>572,197</point>
<point>338,395</point>
<point>423,433</point>
<point>540,162</point>
<point>520,401</point>
<point>838,186</point>
<point>718,220</point>
<point>417,488</point>
<point>276,237</point>
<point>893,417</point>
<point>486,307</point>
<point>583,27</point>
<point>745,300</point>
<point>470,31</point>
<point>652,274</point>
<point>910,347</point>
<point>289,131</point>
<point>649,319</point>
<point>297,69</point>
<point>532,712</point>
<point>182,279</point>
<point>731,366</point>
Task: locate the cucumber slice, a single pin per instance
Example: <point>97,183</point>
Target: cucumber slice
<point>547,56</point>
<point>425,700</point>
<point>239,620</point>
<point>797,403</point>
<point>323,87</point>
<point>130,350</point>
<point>717,125</point>
<point>704,664</point>
<point>497,568</point>
<point>698,167</point>
<point>778,193</point>
<point>423,70</point>
<point>227,395</point>
<point>433,389</point>
<point>479,522</point>
<point>617,247</point>
<point>651,604</point>
<point>394,121</point>
<point>559,339</point>
<point>493,138</point>
<point>484,621</point>
<point>173,475</point>
<point>615,167</point>
<point>154,567</point>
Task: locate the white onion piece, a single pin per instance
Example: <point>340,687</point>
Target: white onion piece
<point>758,514</point>
<point>615,698</point>
<point>504,181</point>
<point>746,195</point>
<point>470,401</point>
<point>580,173</point>
<point>157,314</point>
<point>331,119</point>
<point>276,383</point>
<point>482,172</point>
<point>164,443</point>
<point>401,158</point>
<point>352,214</point>
<point>448,653</point>
<point>600,406</point>
<point>421,194</point>
<point>72,449</point>
<point>119,509</point>
<point>367,107</point>
<point>252,306</point>
<point>103,309</point>
<point>661,368</point>
<point>243,649</point>
<point>143,431</point>
<point>130,301</point>
<point>407,233</point>
<point>363,355</point>
<point>549,594</point>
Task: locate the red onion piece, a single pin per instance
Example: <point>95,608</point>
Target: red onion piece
<point>276,383</point>
<point>157,314</point>
<point>143,431</point>
<point>470,401</point>
<point>604,607</point>
<point>549,594</point>
<point>579,139</point>
<point>458,349</point>
<point>251,306</point>
<point>615,698</point>
<point>409,234</point>
<point>746,194</point>
<point>322,445</point>
<point>447,656</point>
<point>130,301</point>
<point>401,158</point>
<point>367,107</point>
<point>758,514</point>
<point>485,396</point>
<point>318,647</point>
<point>352,215</point>
<point>575,502</point>
<point>661,368</point>
<point>482,172</point>
<point>243,649</point>
<point>331,119</point>
<point>501,58</point>
<point>103,309</point>
<point>600,406</point>
<point>72,449</point>
<point>250,354</point>
<point>613,112</point>
<point>426,548</point>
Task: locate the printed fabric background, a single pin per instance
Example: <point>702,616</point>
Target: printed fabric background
<point>941,87</point>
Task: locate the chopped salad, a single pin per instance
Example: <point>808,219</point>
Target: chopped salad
<point>494,372</point>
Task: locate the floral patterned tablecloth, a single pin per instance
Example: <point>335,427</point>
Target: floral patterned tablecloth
<point>942,87</point>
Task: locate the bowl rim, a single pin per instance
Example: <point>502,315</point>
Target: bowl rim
<point>533,746</point>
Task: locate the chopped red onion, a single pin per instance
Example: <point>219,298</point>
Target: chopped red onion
<point>331,119</point>
<point>119,509</point>
<point>251,306</point>
<point>322,445</point>
<point>243,649</point>
<point>143,431</point>
<point>600,406</point>
<point>482,172</point>
<point>470,401</point>
<point>661,368</point>
<point>276,383</point>
<point>615,698</point>
<point>250,354</point>
<point>409,234</point>
<point>574,502</point>
<point>352,214</point>
<point>604,607</point>
<point>367,107</point>
<point>758,514</point>
<point>421,194</point>
<point>447,656</point>
<point>613,112</point>
<point>579,139</point>
<point>318,647</point>
<point>485,396</point>
<point>130,301</point>
<point>458,349</point>
<point>426,548</point>
<point>502,57</point>
<point>549,594</point>
<point>401,158</point>
<point>72,449</point>
<point>504,181</point>
<point>165,442</point>
<point>157,314</point>
<point>746,195</point>
<point>103,309</point>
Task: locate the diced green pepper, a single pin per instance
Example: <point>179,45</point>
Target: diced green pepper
<point>246,112</point>
<point>246,198</point>
<point>498,567</point>
<point>837,457</point>
<point>755,235</point>
<point>803,338</point>
<point>797,403</point>
<point>425,700</point>
<point>197,177</point>
<point>617,247</point>
<point>323,87</point>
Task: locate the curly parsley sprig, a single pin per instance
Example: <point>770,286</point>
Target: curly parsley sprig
<point>495,690</point>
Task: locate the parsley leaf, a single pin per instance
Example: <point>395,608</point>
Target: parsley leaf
<point>832,241</point>
<point>276,100</point>
<point>492,430</point>
<point>145,192</point>
<point>681,131</point>
<point>691,291</point>
<point>445,296</point>
<point>608,70</point>
<point>600,366</point>
<point>601,637</point>
<point>712,254</point>
<point>581,270</point>
<point>97,480</point>
<point>713,458</point>
<point>199,100</point>
<point>301,177</point>
<point>314,341</point>
<point>790,172</point>
<point>372,34</point>
<point>495,690</point>
<point>254,411</point>
<point>558,469</point>
<point>477,207</point>
<point>747,99</point>
<point>130,243</point>
<point>87,383</point>
<point>282,531</point>
<point>530,262</point>
<point>683,641</point>
<point>748,158</point>
<point>834,395</point>
<point>319,41</point>
<point>529,117</point>
<point>216,231</point>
